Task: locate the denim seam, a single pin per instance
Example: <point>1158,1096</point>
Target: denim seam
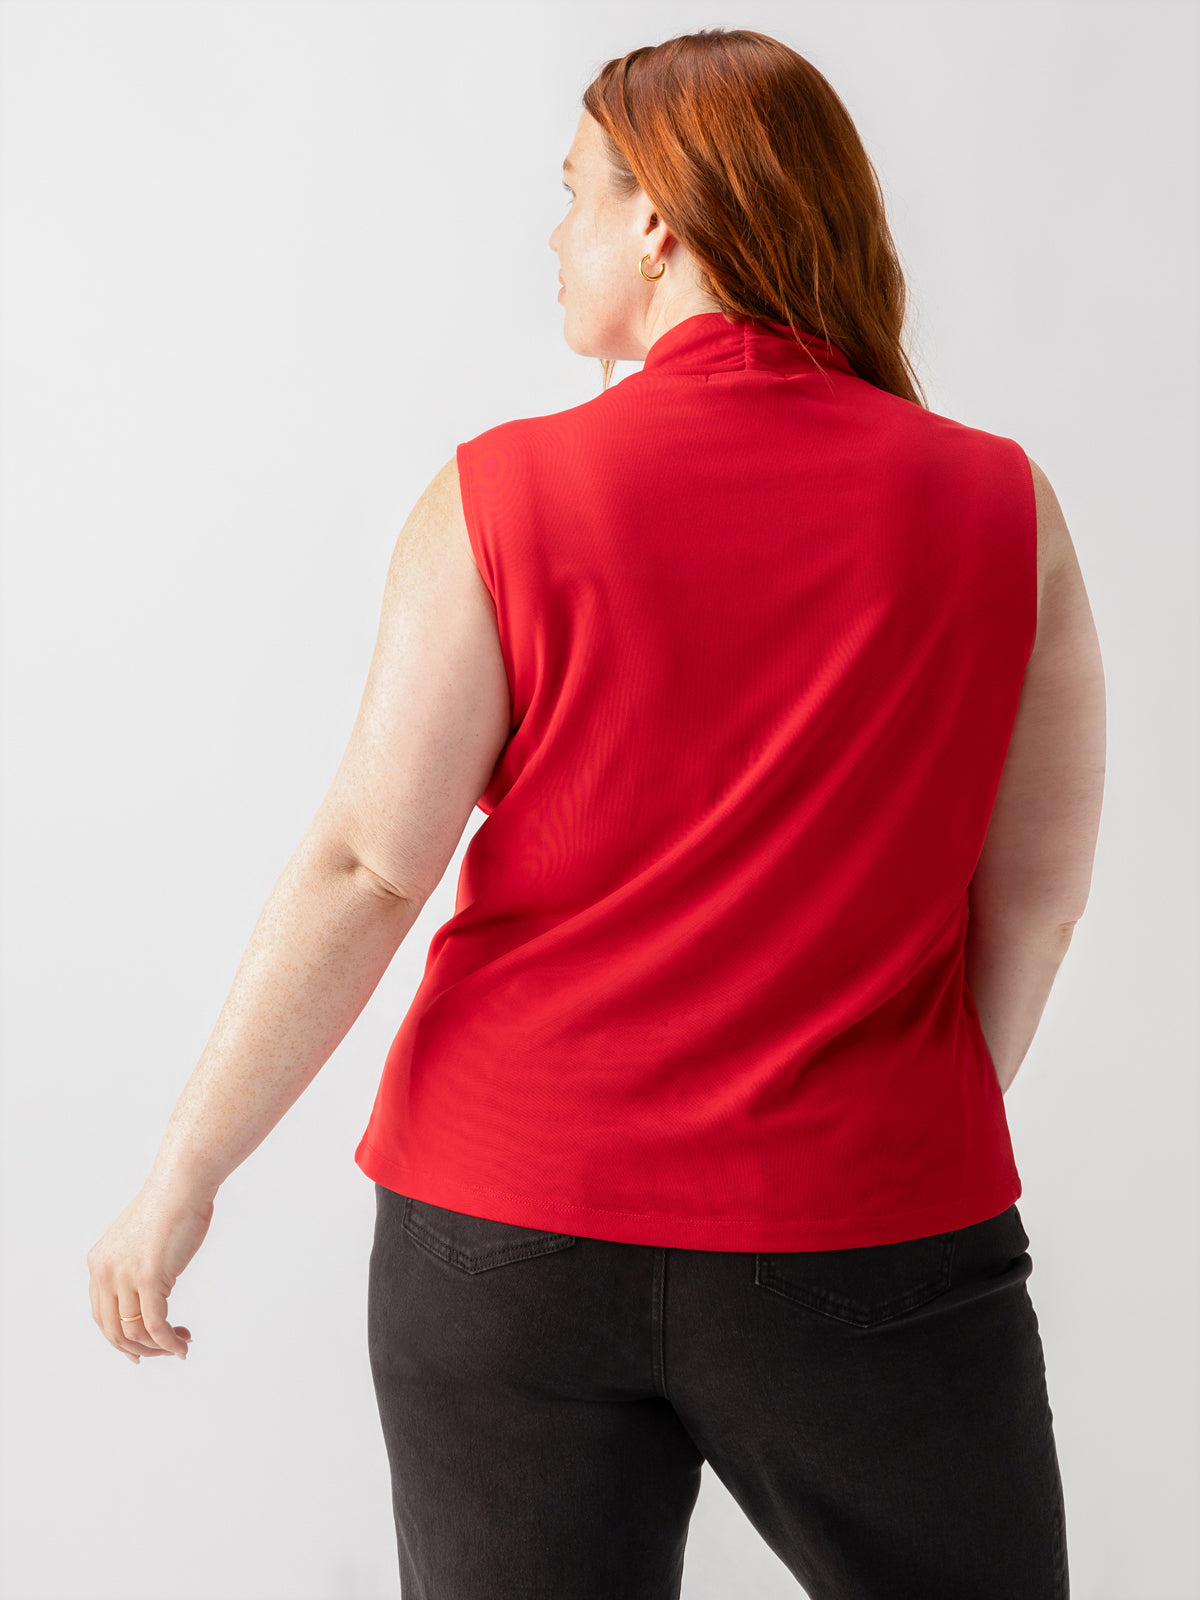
<point>488,1256</point>
<point>828,1302</point>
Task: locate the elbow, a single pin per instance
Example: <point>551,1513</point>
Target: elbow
<point>388,891</point>
<point>1067,923</point>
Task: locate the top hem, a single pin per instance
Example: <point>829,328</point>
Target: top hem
<point>703,1232</point>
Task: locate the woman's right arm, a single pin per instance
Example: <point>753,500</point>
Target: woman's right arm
<point>1035,871</point>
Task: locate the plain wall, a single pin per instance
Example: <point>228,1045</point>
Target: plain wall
<point>262,266</point>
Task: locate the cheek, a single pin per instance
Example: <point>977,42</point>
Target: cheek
<point>592,241</point>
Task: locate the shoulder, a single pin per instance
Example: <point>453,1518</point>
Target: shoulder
<point>991,460</point>
<point>1055,548</point>
<point>918,441</point>
<point>530,440</point>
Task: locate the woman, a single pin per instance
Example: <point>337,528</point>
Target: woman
<point>783,699</point>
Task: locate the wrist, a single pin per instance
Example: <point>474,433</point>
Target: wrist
<point>182,1181</point>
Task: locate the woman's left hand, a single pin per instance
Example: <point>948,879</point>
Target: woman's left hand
<point>134,1267</point>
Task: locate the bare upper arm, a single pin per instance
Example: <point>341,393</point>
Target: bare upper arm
<point>1041,840</point>
<point>435,712</point>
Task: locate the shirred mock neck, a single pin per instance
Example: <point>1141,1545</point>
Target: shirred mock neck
<point>709,342</point>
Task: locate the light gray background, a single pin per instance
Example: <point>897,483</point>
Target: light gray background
<point>263,266</point>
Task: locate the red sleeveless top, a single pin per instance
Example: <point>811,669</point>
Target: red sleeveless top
<point>765,627</point>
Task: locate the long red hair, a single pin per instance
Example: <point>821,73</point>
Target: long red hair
<point>753,162</point>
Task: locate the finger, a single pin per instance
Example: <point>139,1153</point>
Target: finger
<point>134,1346</point>
<point>113,1307</point>
<point>136,1333</point>
<point>154,1319</point>
<point>107,1312</point>
<point>143,1346</point>
<point>114,1332</point>
<point>98,1319</point>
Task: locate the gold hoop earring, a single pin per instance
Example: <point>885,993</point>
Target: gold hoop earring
<point>642,269</point>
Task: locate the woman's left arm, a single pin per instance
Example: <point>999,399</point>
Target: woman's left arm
<point>434,719</point>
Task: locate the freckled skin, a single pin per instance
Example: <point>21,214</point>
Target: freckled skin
<point>611,310</point>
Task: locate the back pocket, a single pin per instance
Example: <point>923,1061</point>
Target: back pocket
<point>863,1285</point>
<point>476,1244</point>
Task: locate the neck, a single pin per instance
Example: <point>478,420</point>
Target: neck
<point>667,311</point>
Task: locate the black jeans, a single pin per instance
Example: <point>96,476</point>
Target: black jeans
<point>547,1402</point>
